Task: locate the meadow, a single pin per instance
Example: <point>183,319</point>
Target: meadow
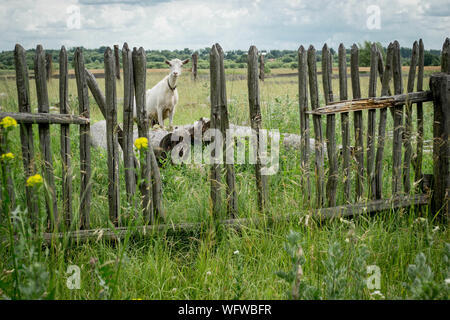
<point>302,258</point>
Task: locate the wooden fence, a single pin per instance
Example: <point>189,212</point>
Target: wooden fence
<point>142,175</point>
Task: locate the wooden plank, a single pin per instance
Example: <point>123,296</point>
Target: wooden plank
<point>373,103</point>
<point>145,185</point>
<point>304,118</point>
<point>215,175</point>
<point>345,122</point>
<point>44,137</point>
<point>117,61</point>
<point>45,118</point>
<point>256,124</point>
<point>358,122</point>
<point>26,130</point>
<point>445,57</point>
<point>331,186</point>
<point>371,122</point>
<point>365,209</point>
<point>419,152</point>
<point>398,122</point>
<point>111,137</point>
<point>317,122</point>
<point>407,135</point>
<point>65,138</point>
<point>387,75</point>
<point>440,86</point>
<point>230,178</point>
<point>85,140</point>
<point>128,100</point>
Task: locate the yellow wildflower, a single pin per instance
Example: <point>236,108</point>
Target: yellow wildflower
<point>34,180</point>
<point>141,143</point>
<point>8,122</point>
<point>7,156</point>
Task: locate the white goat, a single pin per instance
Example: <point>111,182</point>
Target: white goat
<point>163,97</point>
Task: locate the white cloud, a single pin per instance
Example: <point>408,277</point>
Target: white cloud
<point>269,24</point>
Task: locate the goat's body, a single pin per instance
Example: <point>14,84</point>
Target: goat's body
<point>160,102</point>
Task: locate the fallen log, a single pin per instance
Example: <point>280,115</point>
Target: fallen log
<point>162,141</point>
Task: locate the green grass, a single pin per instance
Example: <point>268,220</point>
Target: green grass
<point>202,265</point>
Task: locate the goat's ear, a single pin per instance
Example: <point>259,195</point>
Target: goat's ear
<point>185,61</point>
<point>168,62</point>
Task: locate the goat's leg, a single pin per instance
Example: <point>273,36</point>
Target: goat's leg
<point>171,118</point>
<point>160,117</point>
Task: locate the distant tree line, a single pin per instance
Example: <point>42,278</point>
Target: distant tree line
<point>233,59</point>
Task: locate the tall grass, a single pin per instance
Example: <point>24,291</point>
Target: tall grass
<point>221,263</point>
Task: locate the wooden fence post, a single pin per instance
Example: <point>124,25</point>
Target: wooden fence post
<point>419,153</point>
<point>409,121</point>
<point>194,65</point>
<point>48,66</point>
<point>398,123</point>
<point>256,123</point>
<point>26,130</point>
<point>44,135</point>
<point>358,122</point>
<point>65,138</point>
<point>317,121</point>
<point>345,122</point>
<point>230,178</point>
<point>128,100</point>
<point>371,122</point>
<point>216,115</point>
<point>445,56</point>
<point>85,140</point>
<point>111,137</point>
<point>386,78</point>
<point>332,181</point>
<point>116,61</point>
<point>261,67</point>
<point>440,87</point>
<point>304,117</point>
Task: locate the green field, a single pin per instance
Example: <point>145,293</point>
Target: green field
<point>223,263</point>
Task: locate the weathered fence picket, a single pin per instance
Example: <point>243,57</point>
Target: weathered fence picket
<point>317,122</point>
<point>345,122</point>
<point>230,177</point>
<point>128,100</point>
<point>386,78</point>
<point>371,121</point>
<point>407,136</point>
<point>358,122</point>
<point>215,176</point>
<point>65,138</point>
<point>440,87</point>
<point>44,136</point>
<point>331,186</point>
<point>256,124</point>
<point>85,140</point>
<point>419,152</point>
<point>304,117</point>
<point>139,72</point>
<point>398,122</point>
<point>112,144</point>
<point>26,129</point>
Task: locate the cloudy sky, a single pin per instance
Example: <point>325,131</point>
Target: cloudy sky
<point>194,24</point>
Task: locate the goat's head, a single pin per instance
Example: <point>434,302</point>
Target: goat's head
<point>176,66</point>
